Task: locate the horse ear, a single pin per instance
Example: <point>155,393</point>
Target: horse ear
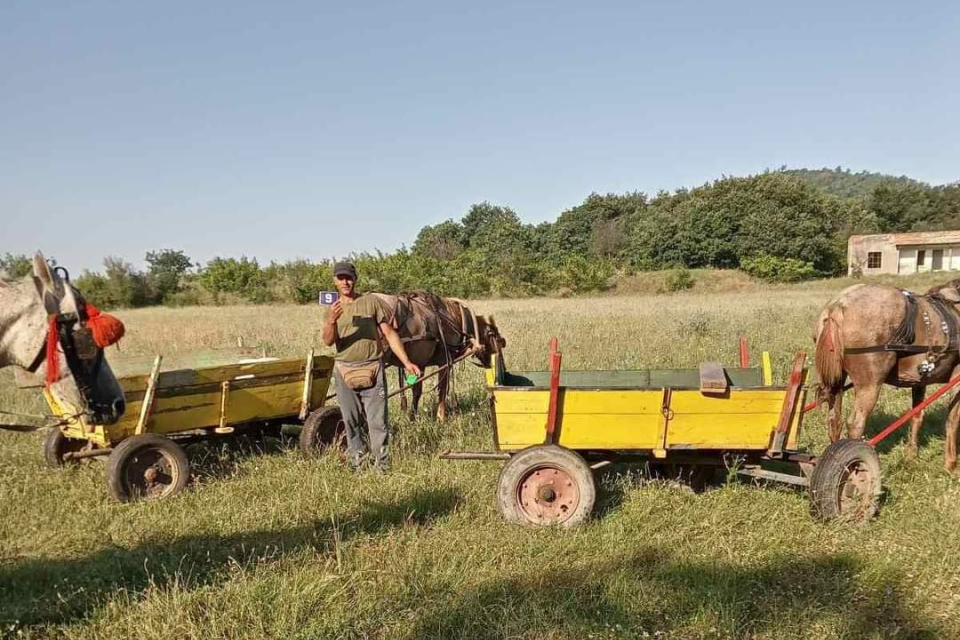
<point>42,272</point>
<point>46,282</point>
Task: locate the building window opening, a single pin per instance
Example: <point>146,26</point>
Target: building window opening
<point>873,260</point>
<point>921,257</point>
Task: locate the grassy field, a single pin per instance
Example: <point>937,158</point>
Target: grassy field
<point>267,544</point>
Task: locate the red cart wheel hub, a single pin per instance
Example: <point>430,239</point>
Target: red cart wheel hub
<point>548,495</point>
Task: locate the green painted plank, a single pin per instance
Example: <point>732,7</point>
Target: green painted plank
<point>636,378</point>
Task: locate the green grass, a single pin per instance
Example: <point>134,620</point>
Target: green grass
<point>267,544</point>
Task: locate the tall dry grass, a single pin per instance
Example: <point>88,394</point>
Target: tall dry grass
<point>267,544</point>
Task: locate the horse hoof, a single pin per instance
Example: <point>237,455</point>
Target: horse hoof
<point>911,454</point>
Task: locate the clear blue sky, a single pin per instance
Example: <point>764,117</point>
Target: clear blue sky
<point>306,129</point>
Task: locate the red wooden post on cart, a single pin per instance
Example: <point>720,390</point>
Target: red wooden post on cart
<point>744,352</point>
<point>794,385</point>
<point>555,357</point>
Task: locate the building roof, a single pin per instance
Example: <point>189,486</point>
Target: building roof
<point>913,238</point>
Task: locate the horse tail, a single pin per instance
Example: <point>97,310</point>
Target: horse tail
<point>829,349</point>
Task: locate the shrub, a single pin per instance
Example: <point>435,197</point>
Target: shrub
<point>774,269</point>
<point>679,279</point>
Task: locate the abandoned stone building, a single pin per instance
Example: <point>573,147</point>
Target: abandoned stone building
<point>904,253</point>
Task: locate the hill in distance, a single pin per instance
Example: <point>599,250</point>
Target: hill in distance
<point>847,184</point>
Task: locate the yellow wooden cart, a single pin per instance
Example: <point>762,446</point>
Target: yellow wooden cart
<point>554,428</point>
<point>198,396</point>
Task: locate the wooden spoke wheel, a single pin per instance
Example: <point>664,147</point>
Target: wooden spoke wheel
<point>546,485</point>
<point>323,428</point>
<point>846,482</point>
<point>147,467</point>
<point>56,446</point>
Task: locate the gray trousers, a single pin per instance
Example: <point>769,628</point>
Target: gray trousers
<point>370,406</point>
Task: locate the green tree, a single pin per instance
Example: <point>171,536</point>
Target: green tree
<point>168,267</point>
<point>444,241</point>
<point>16,266</point>
<point>594,228</point>
<point>120,286</point>
<point>242,278</point>
<point>904,208</point>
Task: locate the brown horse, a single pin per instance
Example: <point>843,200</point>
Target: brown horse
<point>879,334</point>
<point>436,331</point>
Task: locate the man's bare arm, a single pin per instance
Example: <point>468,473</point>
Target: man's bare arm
<point>396,345</point>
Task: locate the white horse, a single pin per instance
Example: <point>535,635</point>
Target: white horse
<point>28,308</point>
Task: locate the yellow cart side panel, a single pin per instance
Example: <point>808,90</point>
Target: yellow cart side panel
<point>190,399</point>
<point>588,419</point>
<point>742,419</point>
<point>630,419</point>
<point>200,410</point>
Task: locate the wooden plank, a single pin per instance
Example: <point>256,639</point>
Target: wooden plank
<point>767,369</point>
<point>627,379</point>
<point>599,432</point>
<point>553,403</point>
<point>147,403</point>
<point>663,424</point>
<point>713,380</point>
<point>224,404</point>
<point>791,400</point>
<point>307,386</point>
<point>737,402</point>
<point>215,375</point>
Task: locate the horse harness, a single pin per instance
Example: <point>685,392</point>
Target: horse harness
<point>905,336</point>
<point>413,310</point>
<point>72,333</point>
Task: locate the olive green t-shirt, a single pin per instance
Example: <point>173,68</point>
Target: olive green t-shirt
<point>358,332</point>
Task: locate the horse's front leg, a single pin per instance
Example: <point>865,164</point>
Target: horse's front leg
<point>401,381</point>
<point>863,404</point>
<point>913,447</point>
<point>834,400</point>
<point>443,384</point>
<point>415,400</point>
<point>953,427</point>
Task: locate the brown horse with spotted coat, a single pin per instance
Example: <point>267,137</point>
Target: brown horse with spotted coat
<point>860,335</point>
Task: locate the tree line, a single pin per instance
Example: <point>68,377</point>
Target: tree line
<point>778,226</point>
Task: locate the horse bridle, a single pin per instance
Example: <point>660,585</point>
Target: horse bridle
<point>84,358</point>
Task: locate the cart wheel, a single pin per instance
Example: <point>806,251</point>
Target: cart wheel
<point>845,483</point>
<point>323,428</point>
<point>546,485</point>
<point>147,467</point>
<point>56,446</point>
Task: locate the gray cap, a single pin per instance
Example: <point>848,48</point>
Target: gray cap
<point>345,269</point>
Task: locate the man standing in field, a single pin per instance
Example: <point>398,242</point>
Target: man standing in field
<point>357,325</point>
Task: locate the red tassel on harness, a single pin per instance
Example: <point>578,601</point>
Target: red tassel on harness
<point>106,330</point>
<point>53,360</point>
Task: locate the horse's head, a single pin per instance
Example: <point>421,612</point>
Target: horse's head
<point>950,291</point>
<point>71,358</point>
<point>491,341</point>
